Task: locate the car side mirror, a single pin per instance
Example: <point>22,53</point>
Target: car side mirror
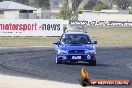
<point>57,43</point>
<point>94,42</point>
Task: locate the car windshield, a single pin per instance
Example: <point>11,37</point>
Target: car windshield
<point>75,39</point>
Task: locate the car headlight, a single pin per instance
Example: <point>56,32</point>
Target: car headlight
<point>90,51</point>
<point>62,51</point>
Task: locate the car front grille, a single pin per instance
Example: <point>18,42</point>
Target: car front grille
<point>76,52</point>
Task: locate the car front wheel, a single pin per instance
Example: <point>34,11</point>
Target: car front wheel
<point>57,61</point>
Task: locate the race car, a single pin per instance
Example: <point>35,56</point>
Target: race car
<point>74,47</point>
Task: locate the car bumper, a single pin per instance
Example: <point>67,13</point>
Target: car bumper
<point>76,57</point>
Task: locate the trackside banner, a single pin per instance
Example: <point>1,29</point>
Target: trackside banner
<point>31,27</point>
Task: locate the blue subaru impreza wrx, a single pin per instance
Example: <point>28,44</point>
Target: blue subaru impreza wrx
<point>74,47</point>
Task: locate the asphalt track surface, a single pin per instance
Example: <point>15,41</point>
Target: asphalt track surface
<point>39,63</point>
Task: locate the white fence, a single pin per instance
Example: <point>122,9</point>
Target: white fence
<point>31,27</point>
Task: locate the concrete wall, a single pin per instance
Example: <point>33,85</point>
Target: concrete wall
<point>32,15</point>
<point>116,11</point>
<point>18,15</point>
<point>43,14</point>
<point>89,16</point>
<point>11,14</point>
<point>23,16</point>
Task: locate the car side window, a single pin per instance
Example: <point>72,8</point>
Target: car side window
<point>66,39</point>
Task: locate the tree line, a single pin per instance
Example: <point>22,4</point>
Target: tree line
<point>107,4</point>
<point>90,4</point>
<point>96,5</point>
<point>77,5</point>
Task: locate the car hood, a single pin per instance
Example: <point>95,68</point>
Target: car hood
<point>76,47</point>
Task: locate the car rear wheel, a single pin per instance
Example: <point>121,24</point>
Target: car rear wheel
<point>93,63</point>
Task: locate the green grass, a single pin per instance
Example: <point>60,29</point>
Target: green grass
<point>119,37</point>
<point>26,41</point>
<point>105,36</point>
<point>1,15</point>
